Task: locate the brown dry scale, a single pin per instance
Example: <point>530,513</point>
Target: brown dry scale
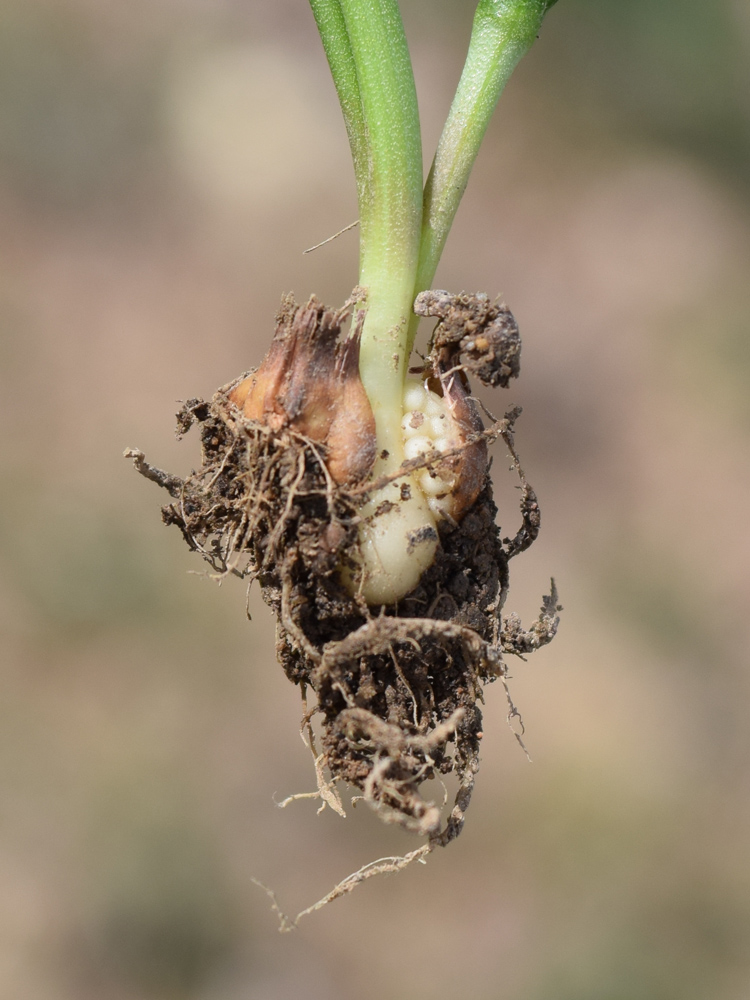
<point>287,456</point>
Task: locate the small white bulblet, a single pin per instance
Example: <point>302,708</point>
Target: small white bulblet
<point>426,427</point>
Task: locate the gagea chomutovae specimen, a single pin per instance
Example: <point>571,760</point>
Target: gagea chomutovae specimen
<point>351,481</point>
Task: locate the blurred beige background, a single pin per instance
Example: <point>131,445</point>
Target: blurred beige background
<point>163,163</point>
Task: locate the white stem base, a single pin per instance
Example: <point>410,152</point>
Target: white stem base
<point>398,538</point>
<point>397,543</point>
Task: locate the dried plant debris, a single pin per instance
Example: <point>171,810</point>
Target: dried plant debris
<point>398,689</point>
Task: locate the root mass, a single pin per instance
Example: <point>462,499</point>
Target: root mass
<point>398,689</point>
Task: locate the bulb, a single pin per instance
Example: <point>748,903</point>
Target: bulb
<point>309,382</point>
<point>398,537</point>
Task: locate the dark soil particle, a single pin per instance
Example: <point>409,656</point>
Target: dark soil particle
<point>399,688</point>
<point>482,335</point>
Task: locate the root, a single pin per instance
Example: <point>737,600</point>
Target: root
<point>383,866</point>
<point>172,484</point>
<point>518,640</point>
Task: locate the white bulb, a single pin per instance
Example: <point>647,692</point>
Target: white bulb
<point>397,544</point>
<point>440,506</point>
<point>418,445</point>
<point>414,395</point>
<point>427,425</point>
<point>432,486</point>
<point>398,539</point>
<point>434,407</point>
<point>413,423</point>
<point>438,426</point>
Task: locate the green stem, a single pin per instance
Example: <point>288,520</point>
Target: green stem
<point>503,31</point>
<point>366,48</point>
<point>391,211</point>
<point>369,59</point>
